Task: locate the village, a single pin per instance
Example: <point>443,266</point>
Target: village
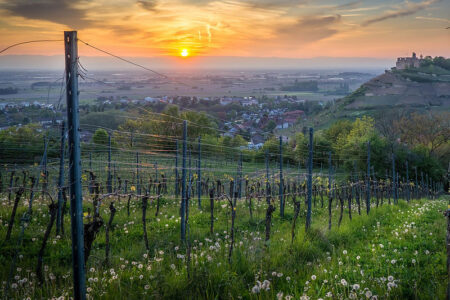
<point>253,118</point>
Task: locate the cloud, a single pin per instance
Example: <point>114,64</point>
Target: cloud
<point>208,30</point>
<point>149,5</point>
<point>434,19</point>
<point>348,5</point>
<point>263,4</point>
<point>318,21</point>
<point>268,4</point>
<point>56,11</point>
<point>310,29</point>
<point>410,9</point>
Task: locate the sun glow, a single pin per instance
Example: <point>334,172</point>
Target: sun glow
<point>184,52</point>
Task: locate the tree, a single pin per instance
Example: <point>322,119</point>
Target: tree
<point>100,137</point>
<point>429,130</point>
<point>442,62</point>
<point>238,141</point>
<point>337,130</point>
<point>153,129</point>
<point>24,144</point>
<point>352,146</point>
<point>271,125</point>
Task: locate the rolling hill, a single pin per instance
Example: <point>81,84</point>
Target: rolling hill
<point>401,88</point>
<point>413,89</point>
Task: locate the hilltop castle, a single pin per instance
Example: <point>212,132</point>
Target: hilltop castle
<point>408,62</point>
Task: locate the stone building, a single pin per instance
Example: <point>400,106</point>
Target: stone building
<point>408,62</point>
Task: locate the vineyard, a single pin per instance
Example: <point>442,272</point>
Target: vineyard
<point>243,229</point>
<point>166,205</point>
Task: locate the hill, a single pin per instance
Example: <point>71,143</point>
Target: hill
<point>412,89</point>
<point>401,88</point>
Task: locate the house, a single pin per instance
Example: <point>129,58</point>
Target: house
<point>281,124</point>
<point>290,118</point>
<point>294,114</point>
<point>225,101</point>
<point>249,102</point>
<point>257,141</point>
<point>151,100</point>
<point>85,136</point>
<point>229,100</point>
<point>263,121</point>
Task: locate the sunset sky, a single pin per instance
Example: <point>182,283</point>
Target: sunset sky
<point>259,28</point>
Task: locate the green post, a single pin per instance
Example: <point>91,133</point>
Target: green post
<point>76,205</point>
<point>281,179</point>
<point>109,179</point>
<point>176,171</point>
<point>394,182</point>
<point>183,184</point>
<point>368,179</point>
<point>61,177</point>
<point>199,174</point>
<point>310,169</point>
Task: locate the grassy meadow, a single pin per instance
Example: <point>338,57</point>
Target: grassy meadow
<point>397,252</point>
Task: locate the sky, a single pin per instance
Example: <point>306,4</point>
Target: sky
<point>248,28</point>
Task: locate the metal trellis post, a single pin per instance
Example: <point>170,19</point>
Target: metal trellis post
<point>61,177</point>
<point>368,179</point>
<point>394,182</point>
<point>183,184</point>
<point>310,167</point>
<point>407,181</point>
<point>199,174</point>
<point>76,206</point>
<point>281,179</point>
<point>108,183</point>
<point>176,170</point>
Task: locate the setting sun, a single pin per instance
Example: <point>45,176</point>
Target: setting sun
<point>184,53</point>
